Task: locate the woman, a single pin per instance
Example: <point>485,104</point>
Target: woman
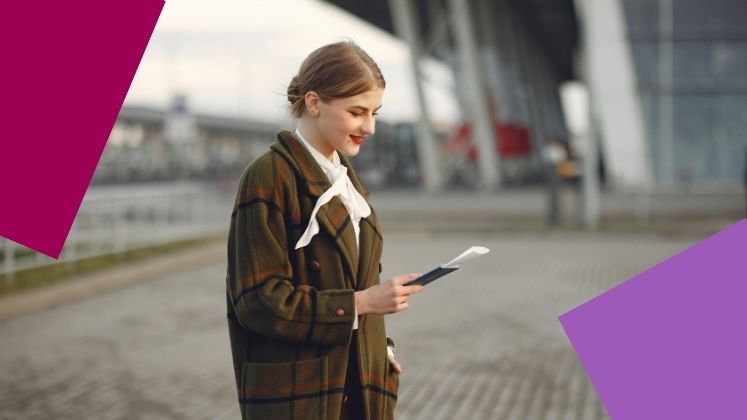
<point>305,302</point>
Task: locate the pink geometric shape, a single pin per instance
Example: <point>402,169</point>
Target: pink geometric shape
<point>66,70</point>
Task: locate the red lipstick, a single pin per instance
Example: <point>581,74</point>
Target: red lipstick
<point>356,139</point>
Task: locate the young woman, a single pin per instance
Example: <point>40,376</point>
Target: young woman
<point>305,303</point>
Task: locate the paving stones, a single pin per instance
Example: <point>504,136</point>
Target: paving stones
<point>482,343</point>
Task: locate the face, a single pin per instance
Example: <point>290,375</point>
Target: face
<point>343,124</point>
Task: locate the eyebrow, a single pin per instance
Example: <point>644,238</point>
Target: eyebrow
<point>364,108</point>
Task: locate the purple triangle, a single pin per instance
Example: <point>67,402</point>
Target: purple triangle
<point>671,342</point>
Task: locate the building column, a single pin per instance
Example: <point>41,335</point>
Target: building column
<point>475,100</point>
<point>610,76</point>
<point>405,25</point>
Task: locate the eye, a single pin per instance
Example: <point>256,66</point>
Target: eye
<point>360,114</point>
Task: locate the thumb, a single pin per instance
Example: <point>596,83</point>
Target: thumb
<point>405,278</point>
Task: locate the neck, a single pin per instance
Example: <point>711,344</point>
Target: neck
<point>309,131</point>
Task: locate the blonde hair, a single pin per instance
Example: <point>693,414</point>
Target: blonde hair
<point>334,71</point>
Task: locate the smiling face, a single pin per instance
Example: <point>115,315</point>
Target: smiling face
<point>340,124</point>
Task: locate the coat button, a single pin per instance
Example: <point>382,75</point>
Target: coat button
<point>315,265</point>
<point>340,312</point>
<point>379,267</point>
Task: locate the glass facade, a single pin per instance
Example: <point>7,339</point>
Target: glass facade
<point>691,66</point>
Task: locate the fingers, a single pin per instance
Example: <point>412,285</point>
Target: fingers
<point>415,288</point>
<point>405,278</point>
<point>405,291</point>
<point>395,365</point>
<point>400,294</point>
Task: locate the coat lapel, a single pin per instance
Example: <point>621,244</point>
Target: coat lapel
<point>370,243</point>
<point>333,217</point>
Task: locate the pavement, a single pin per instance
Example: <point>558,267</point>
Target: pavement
<point>482,343</point>
<point>676,212</point>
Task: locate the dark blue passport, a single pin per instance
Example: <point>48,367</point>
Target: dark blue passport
<point>431,275</point>
<point>453,265</point>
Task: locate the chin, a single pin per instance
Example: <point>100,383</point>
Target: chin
<point>350,150</point>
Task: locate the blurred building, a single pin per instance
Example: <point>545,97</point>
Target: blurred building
<point>149,144</point>
<point>664,79</point>
<point>509,59</point>
<point>690,58</point>
<point>667,89</point>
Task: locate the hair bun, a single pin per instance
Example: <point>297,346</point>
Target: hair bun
<point>293,90</point>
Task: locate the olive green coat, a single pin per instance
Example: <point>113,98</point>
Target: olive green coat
<point>291,312</point>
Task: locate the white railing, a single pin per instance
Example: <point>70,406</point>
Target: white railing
<point>113,220</point>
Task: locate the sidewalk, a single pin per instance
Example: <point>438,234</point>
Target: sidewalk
<point>483,343</point>
<point>149,339</point>
<point>92,284</point>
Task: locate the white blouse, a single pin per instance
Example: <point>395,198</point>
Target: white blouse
<point>354,202</point>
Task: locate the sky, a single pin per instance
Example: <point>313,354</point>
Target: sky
<point>236,57</point>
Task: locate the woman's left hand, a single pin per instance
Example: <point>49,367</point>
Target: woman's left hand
<point>395,364</point>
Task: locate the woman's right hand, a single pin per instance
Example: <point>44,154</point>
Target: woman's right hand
<point>387,297</point>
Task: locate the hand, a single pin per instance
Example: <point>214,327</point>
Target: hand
<point>395,364</point>
<point>390,353</point>
<point>387,297</point>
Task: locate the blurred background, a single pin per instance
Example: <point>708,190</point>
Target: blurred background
<point>581,140</point>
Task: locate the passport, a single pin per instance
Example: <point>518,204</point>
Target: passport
<point>451,266</point>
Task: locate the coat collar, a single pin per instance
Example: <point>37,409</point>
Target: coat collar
<point>333,216</point>
<point>316,182</point>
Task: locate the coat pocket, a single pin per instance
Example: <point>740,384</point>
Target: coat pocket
<point>285,390</point>
<point>390,393</point>
<point>393,386</point>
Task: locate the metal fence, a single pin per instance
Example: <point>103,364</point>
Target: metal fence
<point>113,220</point>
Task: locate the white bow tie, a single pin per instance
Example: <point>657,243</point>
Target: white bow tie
<point>353,201</point>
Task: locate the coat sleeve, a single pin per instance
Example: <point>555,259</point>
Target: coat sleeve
<point>265,299</point>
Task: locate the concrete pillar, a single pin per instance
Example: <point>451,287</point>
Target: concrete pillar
<point>578,120</point>
<point>405,24</point>
<point>526,88</point>
<point>474,95</point>
<point>611,80</point>
<point>665,98</point>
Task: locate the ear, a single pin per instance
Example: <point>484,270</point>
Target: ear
<point>311,99</point>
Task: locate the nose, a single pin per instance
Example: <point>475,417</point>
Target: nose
<point>369,126</point>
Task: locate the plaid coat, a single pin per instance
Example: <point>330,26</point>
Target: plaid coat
<point>291,312</point>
